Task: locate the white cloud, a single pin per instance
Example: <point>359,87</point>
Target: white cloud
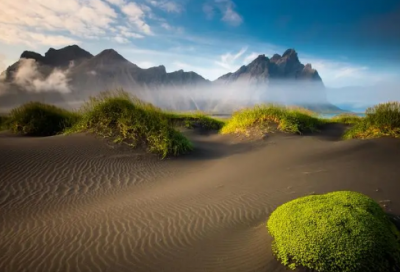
<point>208,10</point>
<point>136,15</point>
<point>55,23</point>
<point>228,60</point>
<point>116,2</point>
<point>249,58</point>
<point>340,73</point>
<point>227,9</point>
<point>168,6</point>
<point>230,15</point>
<point>28,77</point>
<point>178,30</point>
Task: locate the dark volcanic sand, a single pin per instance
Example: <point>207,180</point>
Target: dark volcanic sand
<point>77,203</point>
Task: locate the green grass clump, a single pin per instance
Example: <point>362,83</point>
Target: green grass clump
<point>346,118</point>
<point>130,120</point>
<point>380,120</point>
<point>293,120</point>
<point>195,120</point>
<point>4,120</point>
<point>337,232</point>
<point>39,119</point>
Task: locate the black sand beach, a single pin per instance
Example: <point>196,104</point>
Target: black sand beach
<point>79,203</point>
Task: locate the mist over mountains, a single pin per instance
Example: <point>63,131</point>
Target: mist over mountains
<point>69,75</point>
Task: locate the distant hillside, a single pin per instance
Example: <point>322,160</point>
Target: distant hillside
<point>72,74</point>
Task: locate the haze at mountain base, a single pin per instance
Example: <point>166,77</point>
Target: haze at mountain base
<point>52,79</point>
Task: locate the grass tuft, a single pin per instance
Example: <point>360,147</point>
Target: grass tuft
<point>338,232</point>
<point>4,120</point>
<point>194,120</point>
<point>380,120</point>
<point>39,119</point>
<point>346,118</point>
<point>128,119</point>
<point>270,116</point>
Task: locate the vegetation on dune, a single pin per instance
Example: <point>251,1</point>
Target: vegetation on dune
<point>4,119</point>
<point>271,116</point>
<point>346,118</point>
<point>380,120</point>
<point>130,120</point>
<point>39,119</point>
<point>195,120</point>
<point>337,232</point>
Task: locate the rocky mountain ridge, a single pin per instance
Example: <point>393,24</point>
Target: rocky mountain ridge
<point>87,75</point>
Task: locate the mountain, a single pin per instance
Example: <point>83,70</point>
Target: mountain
<point>71,74</point>
<point>264,69</point>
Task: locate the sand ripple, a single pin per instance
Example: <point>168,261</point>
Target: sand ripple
<point>77,204</point>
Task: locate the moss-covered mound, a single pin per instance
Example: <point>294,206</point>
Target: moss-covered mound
<point>380,120</point>
<point>335,232</point>
<point>132,121</point>
<point>270,116</point>
<point>39,119</point>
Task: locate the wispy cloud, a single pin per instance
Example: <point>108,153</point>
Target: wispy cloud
<point>136,14</point>
<point>166,5</point>
<point>227,9</point>
<point>342,73</point>
<point>229,60</point>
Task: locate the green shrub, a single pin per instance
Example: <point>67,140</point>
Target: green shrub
<point>346,118</point>
<point>337,232</point>
<point>39,119</point>
<point>380,120</point>
<point>293,120</point>
<point>130,120</point>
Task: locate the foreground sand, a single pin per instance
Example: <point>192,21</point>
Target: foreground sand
<point>77,203</point>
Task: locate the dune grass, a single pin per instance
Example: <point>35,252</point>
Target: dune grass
<point>380,120</point>
<point>130,120</point>
<point>338,232</point>
<point>4,119</point>
<point>268,117</point>
<point>39,119</point>
<point>346,118</point>
<point>195,120</point>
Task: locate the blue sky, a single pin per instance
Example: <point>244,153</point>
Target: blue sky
<point>348,42</point>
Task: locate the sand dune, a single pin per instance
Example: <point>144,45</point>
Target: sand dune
<point>78,203</point>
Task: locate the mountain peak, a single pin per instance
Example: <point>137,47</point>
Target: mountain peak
<point>110,55</point>
<point>276,57</point>
<point>32,55</point>
<point>289,53</point>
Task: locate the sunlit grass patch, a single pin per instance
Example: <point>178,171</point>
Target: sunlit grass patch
<point>380,120</point>
<point>272,116</point>
<point>125,118</point>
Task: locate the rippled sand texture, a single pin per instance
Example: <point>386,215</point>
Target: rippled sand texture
<point>77,203</point>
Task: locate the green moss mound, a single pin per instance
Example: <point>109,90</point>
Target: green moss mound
<point>380,120</point>
<point>39,119</point>
<point>269,116</point>
<point>337,232</point>
<point>130,120</point>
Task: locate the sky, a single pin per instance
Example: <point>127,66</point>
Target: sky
<point>350,43</point>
